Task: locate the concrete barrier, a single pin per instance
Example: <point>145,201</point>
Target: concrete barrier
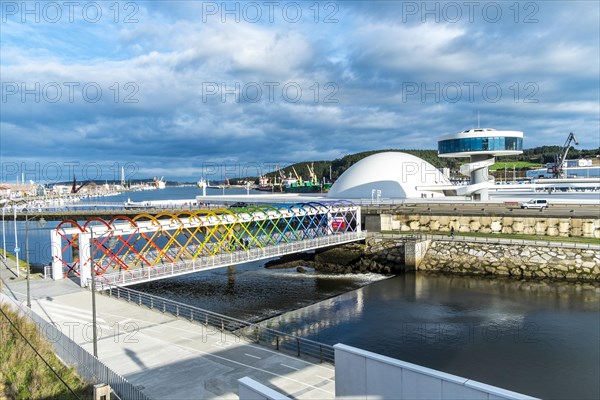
<point>249,389</point>
<point>367,375</point>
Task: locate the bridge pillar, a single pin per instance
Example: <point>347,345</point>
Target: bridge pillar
<point>55,247</point>
<point>84,259</point>
<point>414,251</point>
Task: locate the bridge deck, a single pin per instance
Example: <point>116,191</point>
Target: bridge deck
<point>139,275</point>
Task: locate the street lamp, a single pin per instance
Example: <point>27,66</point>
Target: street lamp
<point>3,233</point>
<point>16,241</point>
<point>93,284</point>
<point>41,224</point>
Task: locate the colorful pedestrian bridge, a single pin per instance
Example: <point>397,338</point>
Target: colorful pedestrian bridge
<point>125,250</point>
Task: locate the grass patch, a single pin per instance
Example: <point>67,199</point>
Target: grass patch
<point>23,374</point>
<point>22,263</point>
<point>517,165</point>
<point>506,236</point>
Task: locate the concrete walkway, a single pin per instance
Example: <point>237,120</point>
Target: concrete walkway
<point>166,357</point>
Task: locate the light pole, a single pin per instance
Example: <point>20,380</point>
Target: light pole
<point>41,224</point>
<point>3,233</point>
<point>93,272</point>
<point>16,241</point>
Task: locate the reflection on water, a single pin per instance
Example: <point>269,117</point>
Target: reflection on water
<point>537,338</point>
<point>253,293</point>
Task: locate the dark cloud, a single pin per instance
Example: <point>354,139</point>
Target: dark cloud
<point>382,76</point>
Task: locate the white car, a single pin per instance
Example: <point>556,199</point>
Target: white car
<point>535,203</point>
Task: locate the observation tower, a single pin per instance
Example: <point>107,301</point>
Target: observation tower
<point>481,145</point>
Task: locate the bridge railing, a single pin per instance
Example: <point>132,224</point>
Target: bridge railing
<point>235,257</point>
<point>218,323</point>
<point>486,239</point>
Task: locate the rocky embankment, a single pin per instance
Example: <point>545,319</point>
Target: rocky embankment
<point>382,258</point>
<point>512,260</point>
<point>458,257</point>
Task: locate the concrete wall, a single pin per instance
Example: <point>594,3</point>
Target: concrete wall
<point>534,225</point>
<point>415,252</point>
<point>249,389</point>
<point>366,375</point>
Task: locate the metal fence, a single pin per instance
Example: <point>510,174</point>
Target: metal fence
<point>251,332</point>
<point>137,275</point>
<point>491,240</point>
<point>88,367</point>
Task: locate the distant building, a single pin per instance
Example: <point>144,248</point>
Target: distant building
<point>389,175</point>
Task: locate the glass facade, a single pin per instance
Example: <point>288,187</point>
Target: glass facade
<point>480,144</point>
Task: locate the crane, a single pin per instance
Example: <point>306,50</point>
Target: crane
<point>311,173</point>
<point>297,176</point>
<point>561,158</point>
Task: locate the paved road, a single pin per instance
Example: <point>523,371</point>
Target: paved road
<point>169,358</point>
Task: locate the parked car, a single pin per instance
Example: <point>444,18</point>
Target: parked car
<point>239,204</point>
<point>535,203</point>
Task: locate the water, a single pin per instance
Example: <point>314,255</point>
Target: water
<point>537,338</point>
<point>168,193</point>
<point>253,293</point>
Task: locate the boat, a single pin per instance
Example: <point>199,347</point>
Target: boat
<point>265,185</point>
<point>295,186</point>
<point>298,185</point>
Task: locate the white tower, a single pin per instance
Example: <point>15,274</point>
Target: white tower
<point>481,145</point>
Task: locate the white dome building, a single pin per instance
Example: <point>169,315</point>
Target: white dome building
<point>395,174</point>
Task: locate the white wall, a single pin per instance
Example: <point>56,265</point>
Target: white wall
<point>366,375</point>
<point>249,389</point>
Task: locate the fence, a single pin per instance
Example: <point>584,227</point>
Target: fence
<point>89,368</point>
<point>478,239</point>
<point>137,275</point>
<point>249,331</point>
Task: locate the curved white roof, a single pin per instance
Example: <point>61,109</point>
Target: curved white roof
<point>396,174</point>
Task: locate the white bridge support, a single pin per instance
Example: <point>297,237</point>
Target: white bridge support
<point>57,268</point>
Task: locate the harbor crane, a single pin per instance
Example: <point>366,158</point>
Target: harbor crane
<point>297,176</point>
<point>311,173</point>
<point>558,168</point>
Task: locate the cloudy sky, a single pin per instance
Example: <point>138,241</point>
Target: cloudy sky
<point>176,88</point>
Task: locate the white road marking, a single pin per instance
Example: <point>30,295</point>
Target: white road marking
<point>207,354</point>
<point>287,366</point>
<point>322,377</point>
<point>250,355</point>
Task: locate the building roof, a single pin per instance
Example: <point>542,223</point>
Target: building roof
<point>395,174</point>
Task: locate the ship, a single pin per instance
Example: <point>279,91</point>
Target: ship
<point>298,185</point>
<point>160,183</point>
<point>265,185</point>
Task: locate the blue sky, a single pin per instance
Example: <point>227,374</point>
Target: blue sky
<point>183,88</point>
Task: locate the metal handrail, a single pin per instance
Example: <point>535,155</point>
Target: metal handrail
<point>181,267</point>
<point>249,331</point>
<point>476,239</point>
